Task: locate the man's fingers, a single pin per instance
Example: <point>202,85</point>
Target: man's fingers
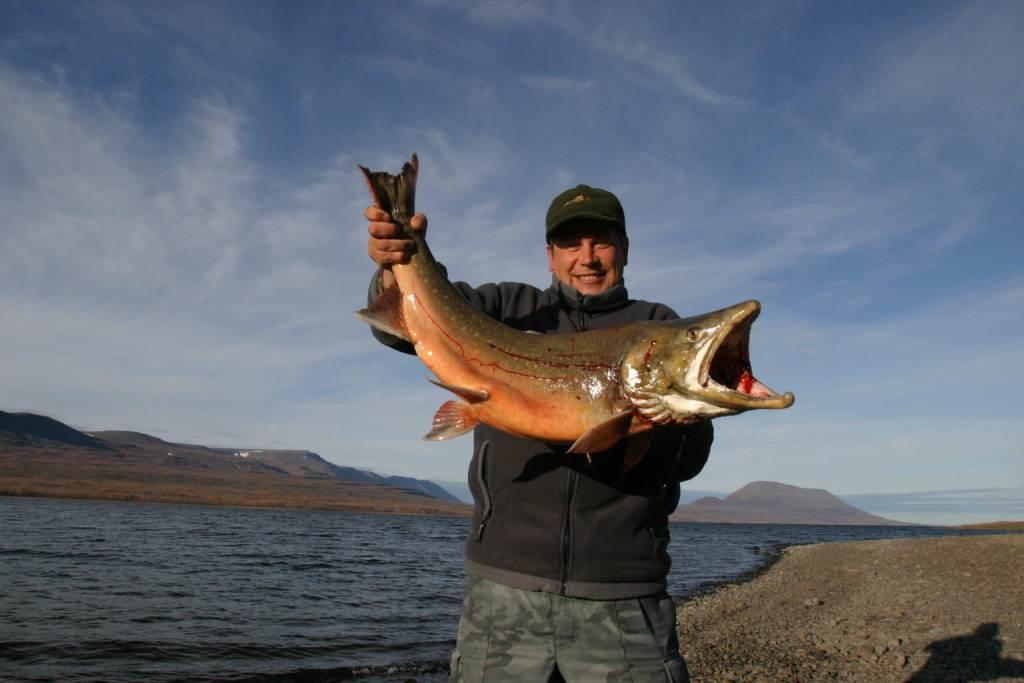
<point>375,213</point>
<point>418,222</point>
<point>398,246</point>
<point>388,243</point>
<point>385,231</point>
<point>385,252</point>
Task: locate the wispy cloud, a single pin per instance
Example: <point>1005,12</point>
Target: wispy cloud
<point>89,209</point>
<point>162,280</point>
<point>515,13</point>
<point>604,30</point>
<point>662,62</point>
<point>556,83</point>
<point>958,67</point>
<point>403,68</point>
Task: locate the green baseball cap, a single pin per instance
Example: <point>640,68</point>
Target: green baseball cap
<point>585,202</point>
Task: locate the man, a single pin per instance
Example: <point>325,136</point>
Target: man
<point>567,555</point>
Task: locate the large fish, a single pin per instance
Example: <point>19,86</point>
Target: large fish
<point>588,389</point>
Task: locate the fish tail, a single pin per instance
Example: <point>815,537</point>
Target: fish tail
<point>395,194</point>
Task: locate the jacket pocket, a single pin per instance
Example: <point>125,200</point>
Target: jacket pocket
<point>486,507</point>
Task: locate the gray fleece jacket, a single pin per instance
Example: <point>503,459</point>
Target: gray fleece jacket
<point>544,520</point>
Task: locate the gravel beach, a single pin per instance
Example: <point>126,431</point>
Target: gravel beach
<point>924,610</point>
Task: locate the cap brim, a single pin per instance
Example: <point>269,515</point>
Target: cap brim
<point>597,217</point>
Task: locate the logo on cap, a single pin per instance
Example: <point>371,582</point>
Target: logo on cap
<point>576,200</point>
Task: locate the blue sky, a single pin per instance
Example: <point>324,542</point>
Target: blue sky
<point>182,244</point>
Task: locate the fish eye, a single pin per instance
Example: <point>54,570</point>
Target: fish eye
<point>692,334</point>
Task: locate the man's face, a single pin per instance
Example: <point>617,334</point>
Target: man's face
<point>589,257</point>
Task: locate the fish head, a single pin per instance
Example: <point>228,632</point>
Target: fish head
<point>696,368</point>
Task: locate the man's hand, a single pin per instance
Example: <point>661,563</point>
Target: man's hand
<point>388,245</point>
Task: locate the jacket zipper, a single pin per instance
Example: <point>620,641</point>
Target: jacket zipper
<point>485,492</point>
<point>570,494</point>
<point>571,485</point>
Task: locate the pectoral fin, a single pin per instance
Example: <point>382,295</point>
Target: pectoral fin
<point>385,314</point>
<point>452,419</point>
<point>471,395</point>
<point>605,435</point>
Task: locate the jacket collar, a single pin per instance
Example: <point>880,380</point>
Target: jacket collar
<point>608,300</point>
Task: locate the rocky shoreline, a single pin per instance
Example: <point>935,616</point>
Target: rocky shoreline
<point>916,610</point>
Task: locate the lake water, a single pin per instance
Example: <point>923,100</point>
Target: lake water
<point>97,591</point>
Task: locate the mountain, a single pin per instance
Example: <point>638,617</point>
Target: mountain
<point>459,489</point>
<point>44,457</point>
<point>766,502</point>
<point>22,429</point>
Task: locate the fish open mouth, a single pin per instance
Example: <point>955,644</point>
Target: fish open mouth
<point>725,371</point>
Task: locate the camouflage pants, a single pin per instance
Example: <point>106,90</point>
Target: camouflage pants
<point>508,635</point>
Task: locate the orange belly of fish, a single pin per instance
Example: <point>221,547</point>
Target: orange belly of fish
<point>516,403</point>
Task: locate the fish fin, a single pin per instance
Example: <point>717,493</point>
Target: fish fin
<point>636,449</point>
<point>471,395</point>
<point>453,418</point>
<point>605,435</point>
<point>385,314</point>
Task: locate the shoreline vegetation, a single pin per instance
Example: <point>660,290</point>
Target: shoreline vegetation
<point>196,475</point>
<point>915,610</point>
<point>51,473</point>
<point>83,474</point>
<point>44,458</point>
<point>995,526</point>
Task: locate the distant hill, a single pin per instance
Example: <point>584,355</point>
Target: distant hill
<point>459,489</point>
<point>309,464</point>
<point>42,456</point>
<point>424,486</point>
<point>23,429</point>
<point>766,502</point>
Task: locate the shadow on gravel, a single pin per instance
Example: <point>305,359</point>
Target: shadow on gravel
<point>973,657</point>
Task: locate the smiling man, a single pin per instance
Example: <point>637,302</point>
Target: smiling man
<point>587,243</point>
<point>567,558</point>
